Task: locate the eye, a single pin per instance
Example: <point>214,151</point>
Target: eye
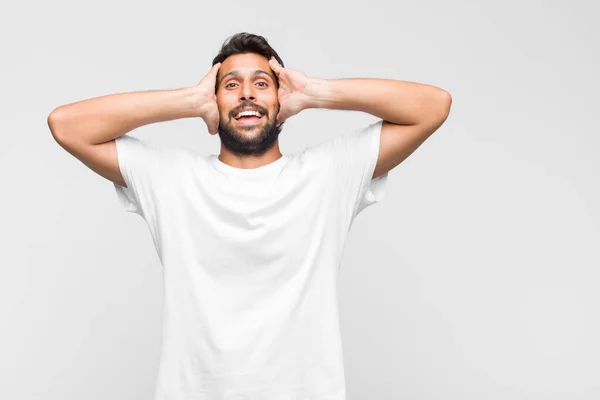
<point>233,83</point>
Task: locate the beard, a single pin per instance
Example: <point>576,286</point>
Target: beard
<point>243,141</point>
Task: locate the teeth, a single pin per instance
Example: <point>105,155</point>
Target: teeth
<point>247,113</point>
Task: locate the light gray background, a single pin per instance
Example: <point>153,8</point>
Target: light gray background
<point>475,278</point>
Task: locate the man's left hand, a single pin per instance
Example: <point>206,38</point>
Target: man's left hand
<point>296,91</point>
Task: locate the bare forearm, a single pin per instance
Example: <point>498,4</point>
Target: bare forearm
<point>100,119</point>
<point>399,102</point>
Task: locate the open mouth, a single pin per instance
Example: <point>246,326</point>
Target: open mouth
<point>249,117</point>
<point>248,120</point>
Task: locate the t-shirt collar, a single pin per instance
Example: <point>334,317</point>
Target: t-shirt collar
<point>248,172</point>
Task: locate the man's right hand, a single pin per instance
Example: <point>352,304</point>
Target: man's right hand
<point>208,100</point>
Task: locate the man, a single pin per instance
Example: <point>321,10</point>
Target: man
<point>251,240</point>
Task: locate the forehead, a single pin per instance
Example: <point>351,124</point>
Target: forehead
<point>244,64</point>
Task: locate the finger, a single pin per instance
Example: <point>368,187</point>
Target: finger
<point>212,73</point>
<point>275,65</point>
<point>215,68</point>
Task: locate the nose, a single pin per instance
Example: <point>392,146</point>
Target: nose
<point>247,92</point>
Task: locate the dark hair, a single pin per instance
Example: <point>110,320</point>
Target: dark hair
<point>242,43</point>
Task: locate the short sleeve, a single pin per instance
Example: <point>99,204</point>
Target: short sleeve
<point>142,165</point>
<point>354,156</point>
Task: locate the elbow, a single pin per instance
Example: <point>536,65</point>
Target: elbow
<point>446,101</point>
<point>54,123</point>
<point>444,104</point>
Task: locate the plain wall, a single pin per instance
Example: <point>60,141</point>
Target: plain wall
<point>475,278</point>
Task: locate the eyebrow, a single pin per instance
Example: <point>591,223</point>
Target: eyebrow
<point>255,72</point>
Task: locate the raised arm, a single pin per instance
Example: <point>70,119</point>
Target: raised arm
<point>410,111</point>
<point>87,128</point>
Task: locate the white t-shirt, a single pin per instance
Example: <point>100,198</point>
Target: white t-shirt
<point>250,259</point>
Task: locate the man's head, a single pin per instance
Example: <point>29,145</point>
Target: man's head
<point>245,81</point>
